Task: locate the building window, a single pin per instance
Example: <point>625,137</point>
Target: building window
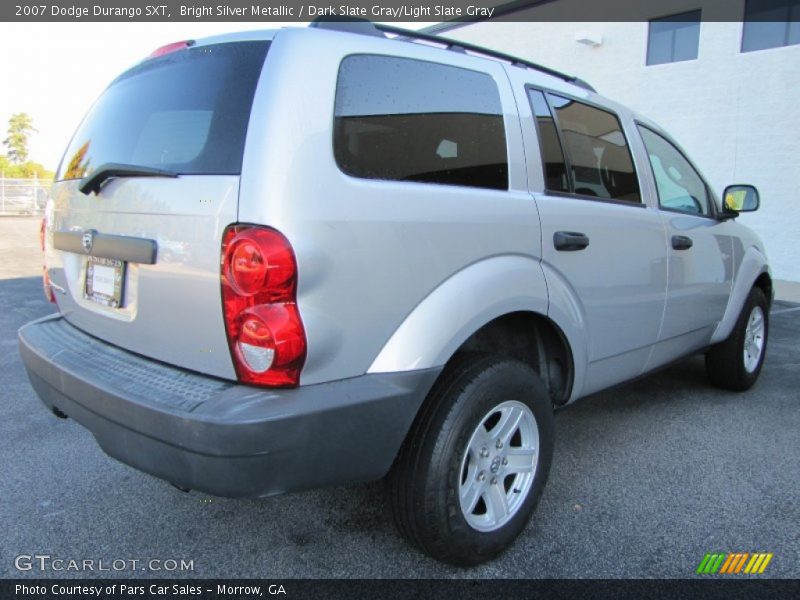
<point>770,24</point>
<point>673,38</point>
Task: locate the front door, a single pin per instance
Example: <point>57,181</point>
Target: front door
<point>700,265</point>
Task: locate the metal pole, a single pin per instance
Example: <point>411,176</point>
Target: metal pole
<point>3,189</point>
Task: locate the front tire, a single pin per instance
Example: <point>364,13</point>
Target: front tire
<point>475,461</point>
<point>735,364</point>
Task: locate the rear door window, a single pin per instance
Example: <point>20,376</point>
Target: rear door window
<point>597,153</point>
<point>409,120</point>
<point>186,111</point>
<point>555,169</point>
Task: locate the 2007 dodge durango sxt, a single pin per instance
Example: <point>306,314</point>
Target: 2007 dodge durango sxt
<point>305,257</point>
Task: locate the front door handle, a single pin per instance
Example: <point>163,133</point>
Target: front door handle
<point>681,242</point>
<point>570,241</point>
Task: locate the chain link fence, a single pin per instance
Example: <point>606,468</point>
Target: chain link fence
<point>23,196</point>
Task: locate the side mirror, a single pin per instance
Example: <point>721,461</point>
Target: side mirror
<point>741,198</point>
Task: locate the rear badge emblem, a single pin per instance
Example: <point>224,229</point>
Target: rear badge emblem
<point>87,241</point>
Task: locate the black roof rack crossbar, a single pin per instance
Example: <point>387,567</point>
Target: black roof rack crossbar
<point>366,27</point>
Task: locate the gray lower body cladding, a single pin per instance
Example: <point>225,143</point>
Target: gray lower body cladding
<point>217,436</point>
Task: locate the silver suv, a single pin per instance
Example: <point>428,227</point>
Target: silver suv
<point>306,257</point>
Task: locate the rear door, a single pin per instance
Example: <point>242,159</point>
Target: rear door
<point>185,113</point>
<point>599,237</point>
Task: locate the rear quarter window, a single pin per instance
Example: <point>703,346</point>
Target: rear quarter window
<point>186,112</point>
<point>408,120</point>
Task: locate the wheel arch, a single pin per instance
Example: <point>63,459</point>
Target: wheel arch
<point>764,282</point>
<point>533,339</point>
<point>498,305</point>
<point>753,272</point>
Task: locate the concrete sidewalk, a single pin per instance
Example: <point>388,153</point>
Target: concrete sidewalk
<point>787,291</point>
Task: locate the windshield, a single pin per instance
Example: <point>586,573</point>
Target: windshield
<point>185,112</point>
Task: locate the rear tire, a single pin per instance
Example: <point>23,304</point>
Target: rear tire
<point>475,462</point>
<point>735,364</point>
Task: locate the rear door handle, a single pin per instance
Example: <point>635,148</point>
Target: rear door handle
<point>570,241</point>
<point>681,242</point>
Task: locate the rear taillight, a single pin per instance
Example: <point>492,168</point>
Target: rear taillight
<point>259,288</point>
<point>48,288</point>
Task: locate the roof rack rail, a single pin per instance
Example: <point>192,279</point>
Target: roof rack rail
<point>451,44</point>
<point>366,27</point>
<point>346,24</point>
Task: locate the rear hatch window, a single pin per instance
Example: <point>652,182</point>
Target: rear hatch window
<point>185,112</point>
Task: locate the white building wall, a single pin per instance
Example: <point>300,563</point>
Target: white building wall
<point>736,114</point>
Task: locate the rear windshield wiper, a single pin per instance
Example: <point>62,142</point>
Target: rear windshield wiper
<point>94,182</point>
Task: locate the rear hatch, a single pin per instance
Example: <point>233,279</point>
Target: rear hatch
<point>137,263</point>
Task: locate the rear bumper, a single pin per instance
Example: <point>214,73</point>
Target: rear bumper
<point>216,436</point>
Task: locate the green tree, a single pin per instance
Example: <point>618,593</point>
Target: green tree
<point>20,127</point>
<point>27,170</point>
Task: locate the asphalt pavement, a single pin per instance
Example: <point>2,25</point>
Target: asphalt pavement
<point>646,479</point>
